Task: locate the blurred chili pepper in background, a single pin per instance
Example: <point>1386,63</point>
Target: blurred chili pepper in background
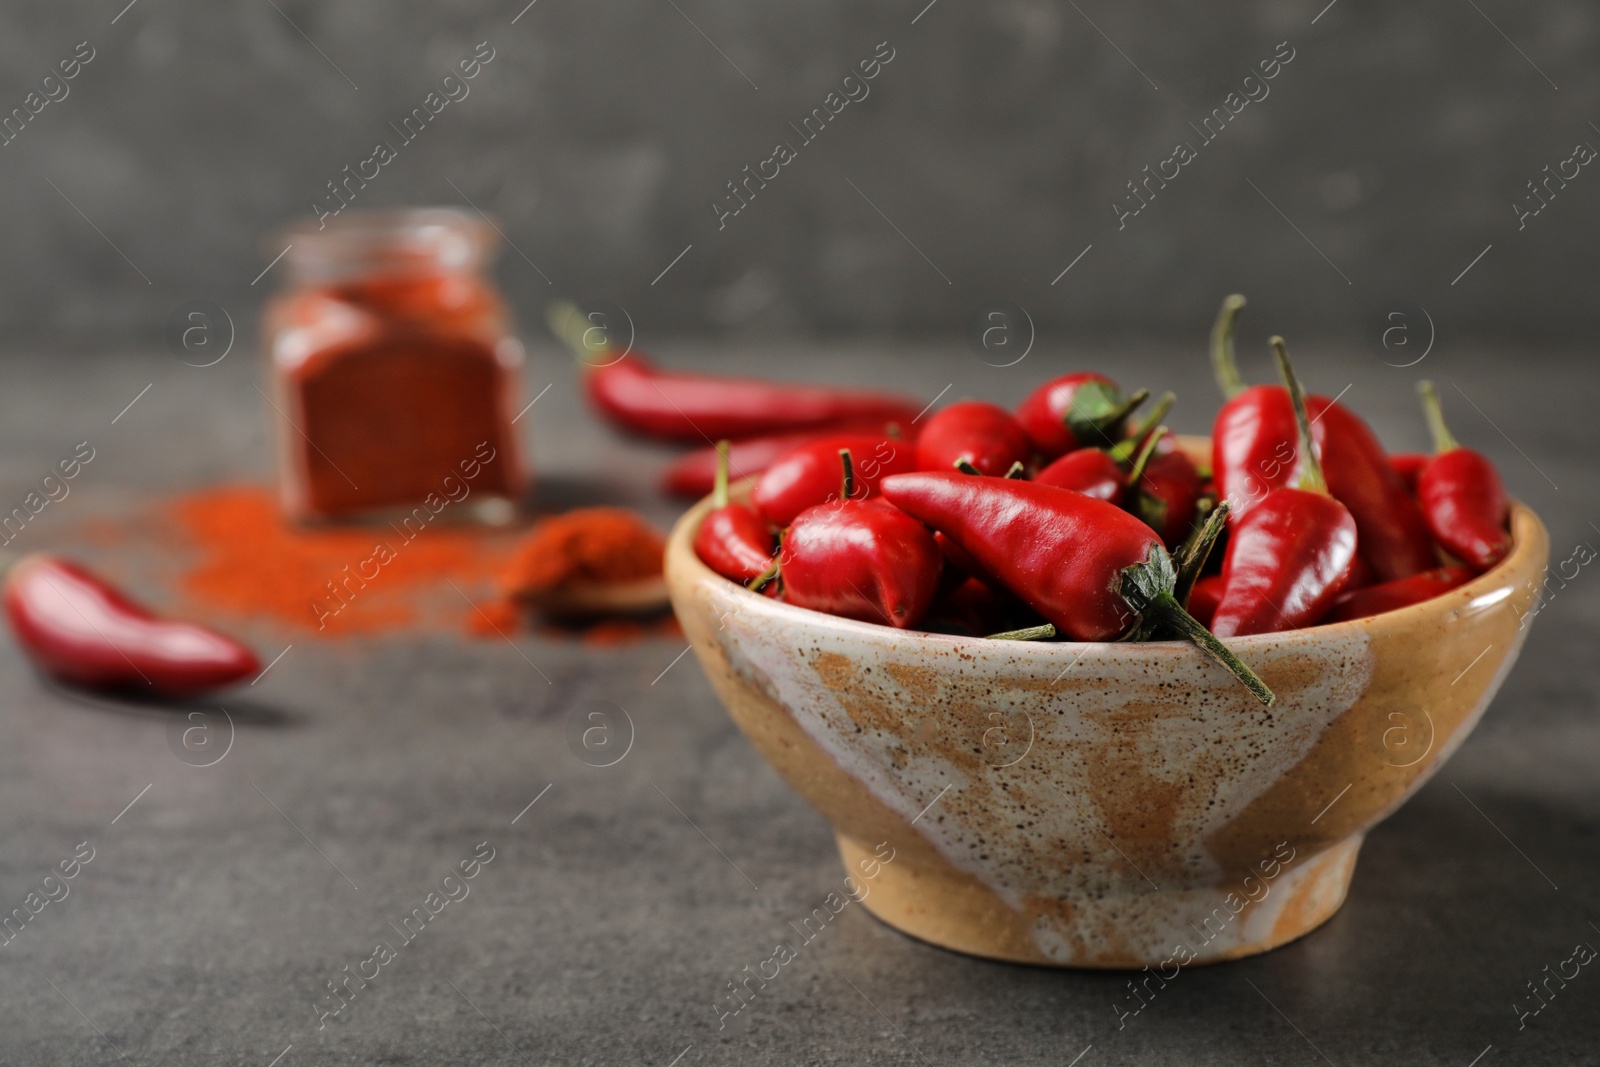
<point>1462,494</point>
<point>80,629</point>
<point>694,474</point>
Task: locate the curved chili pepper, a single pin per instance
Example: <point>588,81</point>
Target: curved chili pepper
<point>1089,568</point>
<point>1401,593</point>
<point>809,475</point>
<point>1290,556</point>
<point>1253,452</point>
<point>694,474</point>
<point>1076,411</point>
<point>80,629</point>
<point>638,397</point>
<point>983,435</point>
<point>861,559</point>
<point>733,539</point>
<point>1408,465</point>
<point>1462,495</point>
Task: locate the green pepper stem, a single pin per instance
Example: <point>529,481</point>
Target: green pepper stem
<point>1136,472</point>
<point>964,465</point>
<point>1196,550</point>
<point>1031,633</point>
<point>1114,418</point>
<point>1017,469</point>
<point>566,321</point>
<point>719,488</point>
<point>847,487</point>
<point>1443,440</point>
<point>1311,476</point>
<point>1224,363</point>
<point>759,582</point>
<point>1169,611</point>
<point>1124,450</point>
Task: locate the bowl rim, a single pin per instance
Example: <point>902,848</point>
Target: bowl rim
<point>1528,533</point>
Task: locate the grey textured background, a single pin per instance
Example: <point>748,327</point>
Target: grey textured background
<point>996,141</point>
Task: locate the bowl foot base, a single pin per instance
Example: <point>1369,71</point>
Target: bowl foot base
<point>1132,928</point>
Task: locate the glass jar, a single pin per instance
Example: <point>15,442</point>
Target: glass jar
<point>394,370</point>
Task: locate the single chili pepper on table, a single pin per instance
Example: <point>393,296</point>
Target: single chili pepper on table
<point>80,629</point>
<point>1462,494</point>
<point>1290,556</point>
<point>809,475</point>
<point>1087,567</point>
<point>694,473</point>
<point>641,398</point>
<point>1400,593</point>
<point>1076,411</point>
<point>1254,451</point>
<point>861,559</point>
<point>981,434</point>
<point>733,539</point>
<point>1103,473</point>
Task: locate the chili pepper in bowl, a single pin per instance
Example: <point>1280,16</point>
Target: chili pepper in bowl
<point>1408,465</point>
<point>1400,593</point>
<point>78,628</point>
<point>1204,598</point>
<point>733,539</point>
<point>981,434</point>
<point>637,396</point>
<point>1291,555</point>
<point>861,559</point>
<point>1089,568</point>
<point>1103,473</point>
<point>1076,411</point>
<point>1462,494</point>
<point>1165,494</point>
<point>809,475</point>
<point>694,474</point>
<point>1254,451</point>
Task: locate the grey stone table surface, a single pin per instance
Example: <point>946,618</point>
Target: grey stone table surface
<point>220,901</point>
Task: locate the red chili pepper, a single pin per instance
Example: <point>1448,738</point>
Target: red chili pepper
<point>971,607</point>
<point>1166,495</point>
<point>1103,473</point>
<point>1089,568</point>
<point>983,435</point>
<point>733,539</point>
<point>861,559</point>
<point>694,474</point>
<point>1253,452</point>
<point>809,475</point>
<point>1462,495</point>
<point>1204,598</point>
<point>1290,556</point>
<point>78,628</point>
<point>1076,411</point>
<point>1401,593</point>
<point>1408,465</point>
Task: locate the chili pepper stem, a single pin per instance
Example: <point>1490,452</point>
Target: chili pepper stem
<point>1031,633</point>
<point>1169,611</point>
<point>1117,415</point>
<point>566,321</point>
<point>964,465</point>
<point>847,486</point>
<point>1311,476</point>
<point>1224,363</point>
<point>1443,440</point>
<point>1126,448</point>
<point>1136,472</point>
<point>719,488</point>
<point>1192,558</point>
<point>760,581</point>
<point>1017,469</point>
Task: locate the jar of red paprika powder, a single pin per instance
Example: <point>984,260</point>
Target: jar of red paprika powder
<point>394,370</point>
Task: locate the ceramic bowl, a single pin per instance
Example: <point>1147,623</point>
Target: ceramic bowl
<point>1105,805</point>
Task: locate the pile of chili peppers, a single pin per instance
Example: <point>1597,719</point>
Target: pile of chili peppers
<point>1069,518</point>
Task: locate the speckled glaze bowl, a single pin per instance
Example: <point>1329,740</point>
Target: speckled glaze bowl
<point>1106,805</point>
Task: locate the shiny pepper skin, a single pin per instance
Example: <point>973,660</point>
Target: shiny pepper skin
<point>1401,593</point>
<point>809,475</point>
<point>1466,506</point>
<point>1167,494</point>
<point>1090,471</point>
<point>1288,560</point>
<point>984,435</point>
<point>78,628</point>
<point>1082,410</point>
<point>735,541</point>
<point>861,559</point>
